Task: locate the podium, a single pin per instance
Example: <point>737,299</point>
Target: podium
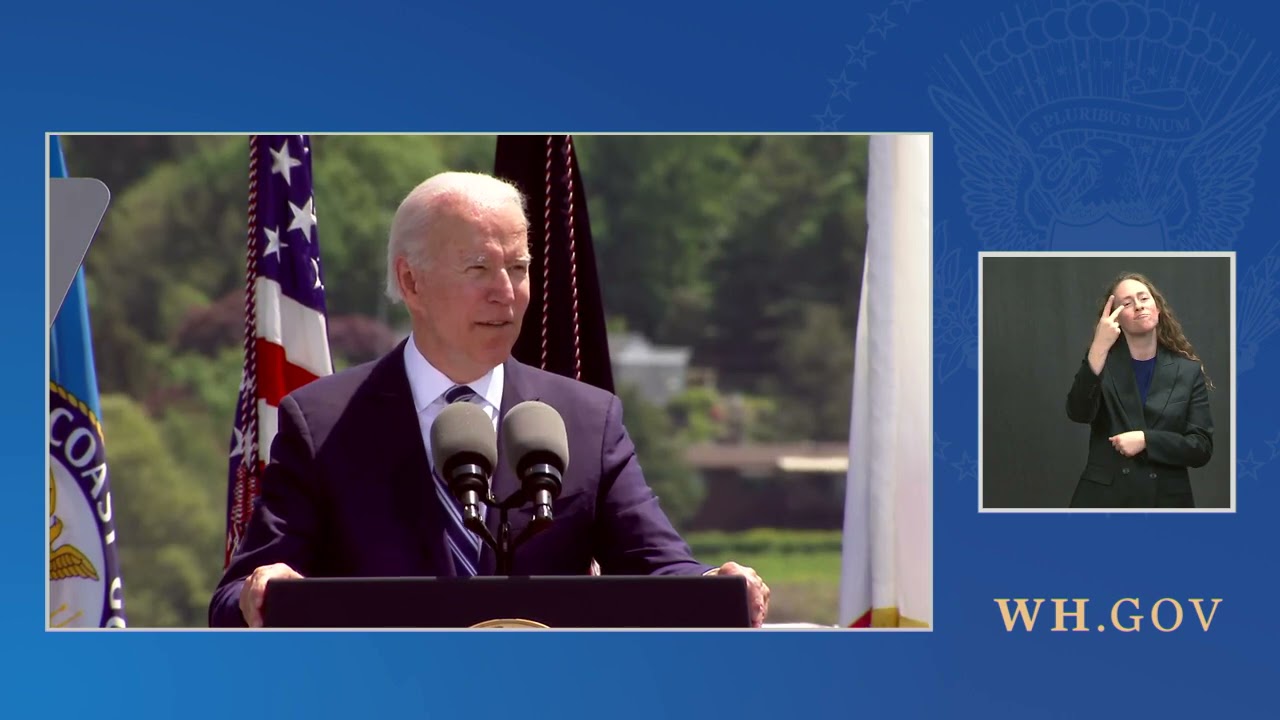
<point>554,602</point>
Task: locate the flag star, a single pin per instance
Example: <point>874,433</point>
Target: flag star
<point>239,447</point>
<point>315,265</point>
<point>881,24</point>
<point>304,218</point>
<point>282,163</point>
<point>273,242</point>
<point>905,4</point>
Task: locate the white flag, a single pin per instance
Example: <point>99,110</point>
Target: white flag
<point>887,574</point>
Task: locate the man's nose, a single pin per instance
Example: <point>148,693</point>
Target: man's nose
<point>502,290</point>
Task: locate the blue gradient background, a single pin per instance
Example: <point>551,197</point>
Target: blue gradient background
<point>715,66</point>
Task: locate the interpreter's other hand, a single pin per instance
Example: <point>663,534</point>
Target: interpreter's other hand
<point>1129,443</point>
<point>757,591</point>
<point>255,589</point>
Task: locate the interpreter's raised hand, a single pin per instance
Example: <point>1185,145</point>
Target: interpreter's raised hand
<point>255,589</point>
<point>1104,335</point>
<point>757,591</point>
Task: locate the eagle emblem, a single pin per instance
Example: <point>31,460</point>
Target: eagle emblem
<point>65,561</point>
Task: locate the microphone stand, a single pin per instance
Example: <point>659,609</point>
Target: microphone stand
<point>503,546</point>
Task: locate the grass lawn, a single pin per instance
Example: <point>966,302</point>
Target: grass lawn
<point>802,568</point>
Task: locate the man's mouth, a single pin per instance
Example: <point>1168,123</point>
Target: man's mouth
<point>495,323</point>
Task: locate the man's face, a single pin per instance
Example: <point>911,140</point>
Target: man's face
<point>471,297</point>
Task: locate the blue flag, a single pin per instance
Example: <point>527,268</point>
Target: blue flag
<point>85,589</point>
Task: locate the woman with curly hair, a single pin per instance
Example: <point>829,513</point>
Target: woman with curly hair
<point>1144,394</point>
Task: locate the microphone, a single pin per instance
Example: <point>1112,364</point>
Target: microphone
<point>537,448</point>
<point>464,449</point>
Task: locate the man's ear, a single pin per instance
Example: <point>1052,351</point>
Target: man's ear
<point>404,276</point>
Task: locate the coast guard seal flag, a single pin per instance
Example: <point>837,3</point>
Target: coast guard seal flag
<point>286,341</point>
<point>85,588</point>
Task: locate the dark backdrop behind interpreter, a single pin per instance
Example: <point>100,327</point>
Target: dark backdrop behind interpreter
<point>1038,318</point>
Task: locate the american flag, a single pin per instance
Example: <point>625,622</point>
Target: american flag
<point>286,340</point>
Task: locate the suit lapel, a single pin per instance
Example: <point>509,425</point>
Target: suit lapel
<point>404,465</point>
<point>1162,382</point>
<point>1119,371</point>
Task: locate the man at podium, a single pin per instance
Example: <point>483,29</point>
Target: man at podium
<point>350,490</point>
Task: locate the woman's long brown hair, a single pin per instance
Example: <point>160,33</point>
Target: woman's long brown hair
<point>1168,329</point>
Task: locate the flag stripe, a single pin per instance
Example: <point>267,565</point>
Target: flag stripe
<point>268,423</point>
<point>298,329</point>
<point>277,376</point>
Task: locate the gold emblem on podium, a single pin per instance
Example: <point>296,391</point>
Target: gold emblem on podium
<point>510,623</point>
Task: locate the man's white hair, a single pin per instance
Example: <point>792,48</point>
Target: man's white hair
<point>438,195</point>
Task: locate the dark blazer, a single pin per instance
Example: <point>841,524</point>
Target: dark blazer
<point>348,492</point>
<point>1175,421</point>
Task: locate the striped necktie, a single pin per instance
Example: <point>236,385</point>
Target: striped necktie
<point>464,543</point>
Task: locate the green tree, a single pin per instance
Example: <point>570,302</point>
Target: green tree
<point>679,487</point>
<point>814,382</point>
<point>659,210</point>
<point>797,241</point>
<point>168,526</point>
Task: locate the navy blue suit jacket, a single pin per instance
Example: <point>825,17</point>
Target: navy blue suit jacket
<point>348,492</point>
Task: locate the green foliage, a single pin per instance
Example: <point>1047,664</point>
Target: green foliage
<point>700,413</point>
<point>168,526</point>
<point>660,452</point>
<point>814,382</point>
<point>762,541</point>
<point>801,567</point>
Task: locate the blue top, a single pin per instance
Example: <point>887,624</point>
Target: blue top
<point>1142,372</point>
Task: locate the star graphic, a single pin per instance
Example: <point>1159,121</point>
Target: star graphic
<point>304,218</point>
<point>827,120</point>
<point>841,85</point>
<point>1274,445</point>
<point>315,266</point>
<point>905,4</point>
<point>859,54</point>
<point>273,242</point>
<point>942,445</point>
<point>881,24</point>
<point>282,163</point>
<point>1248,466</point>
